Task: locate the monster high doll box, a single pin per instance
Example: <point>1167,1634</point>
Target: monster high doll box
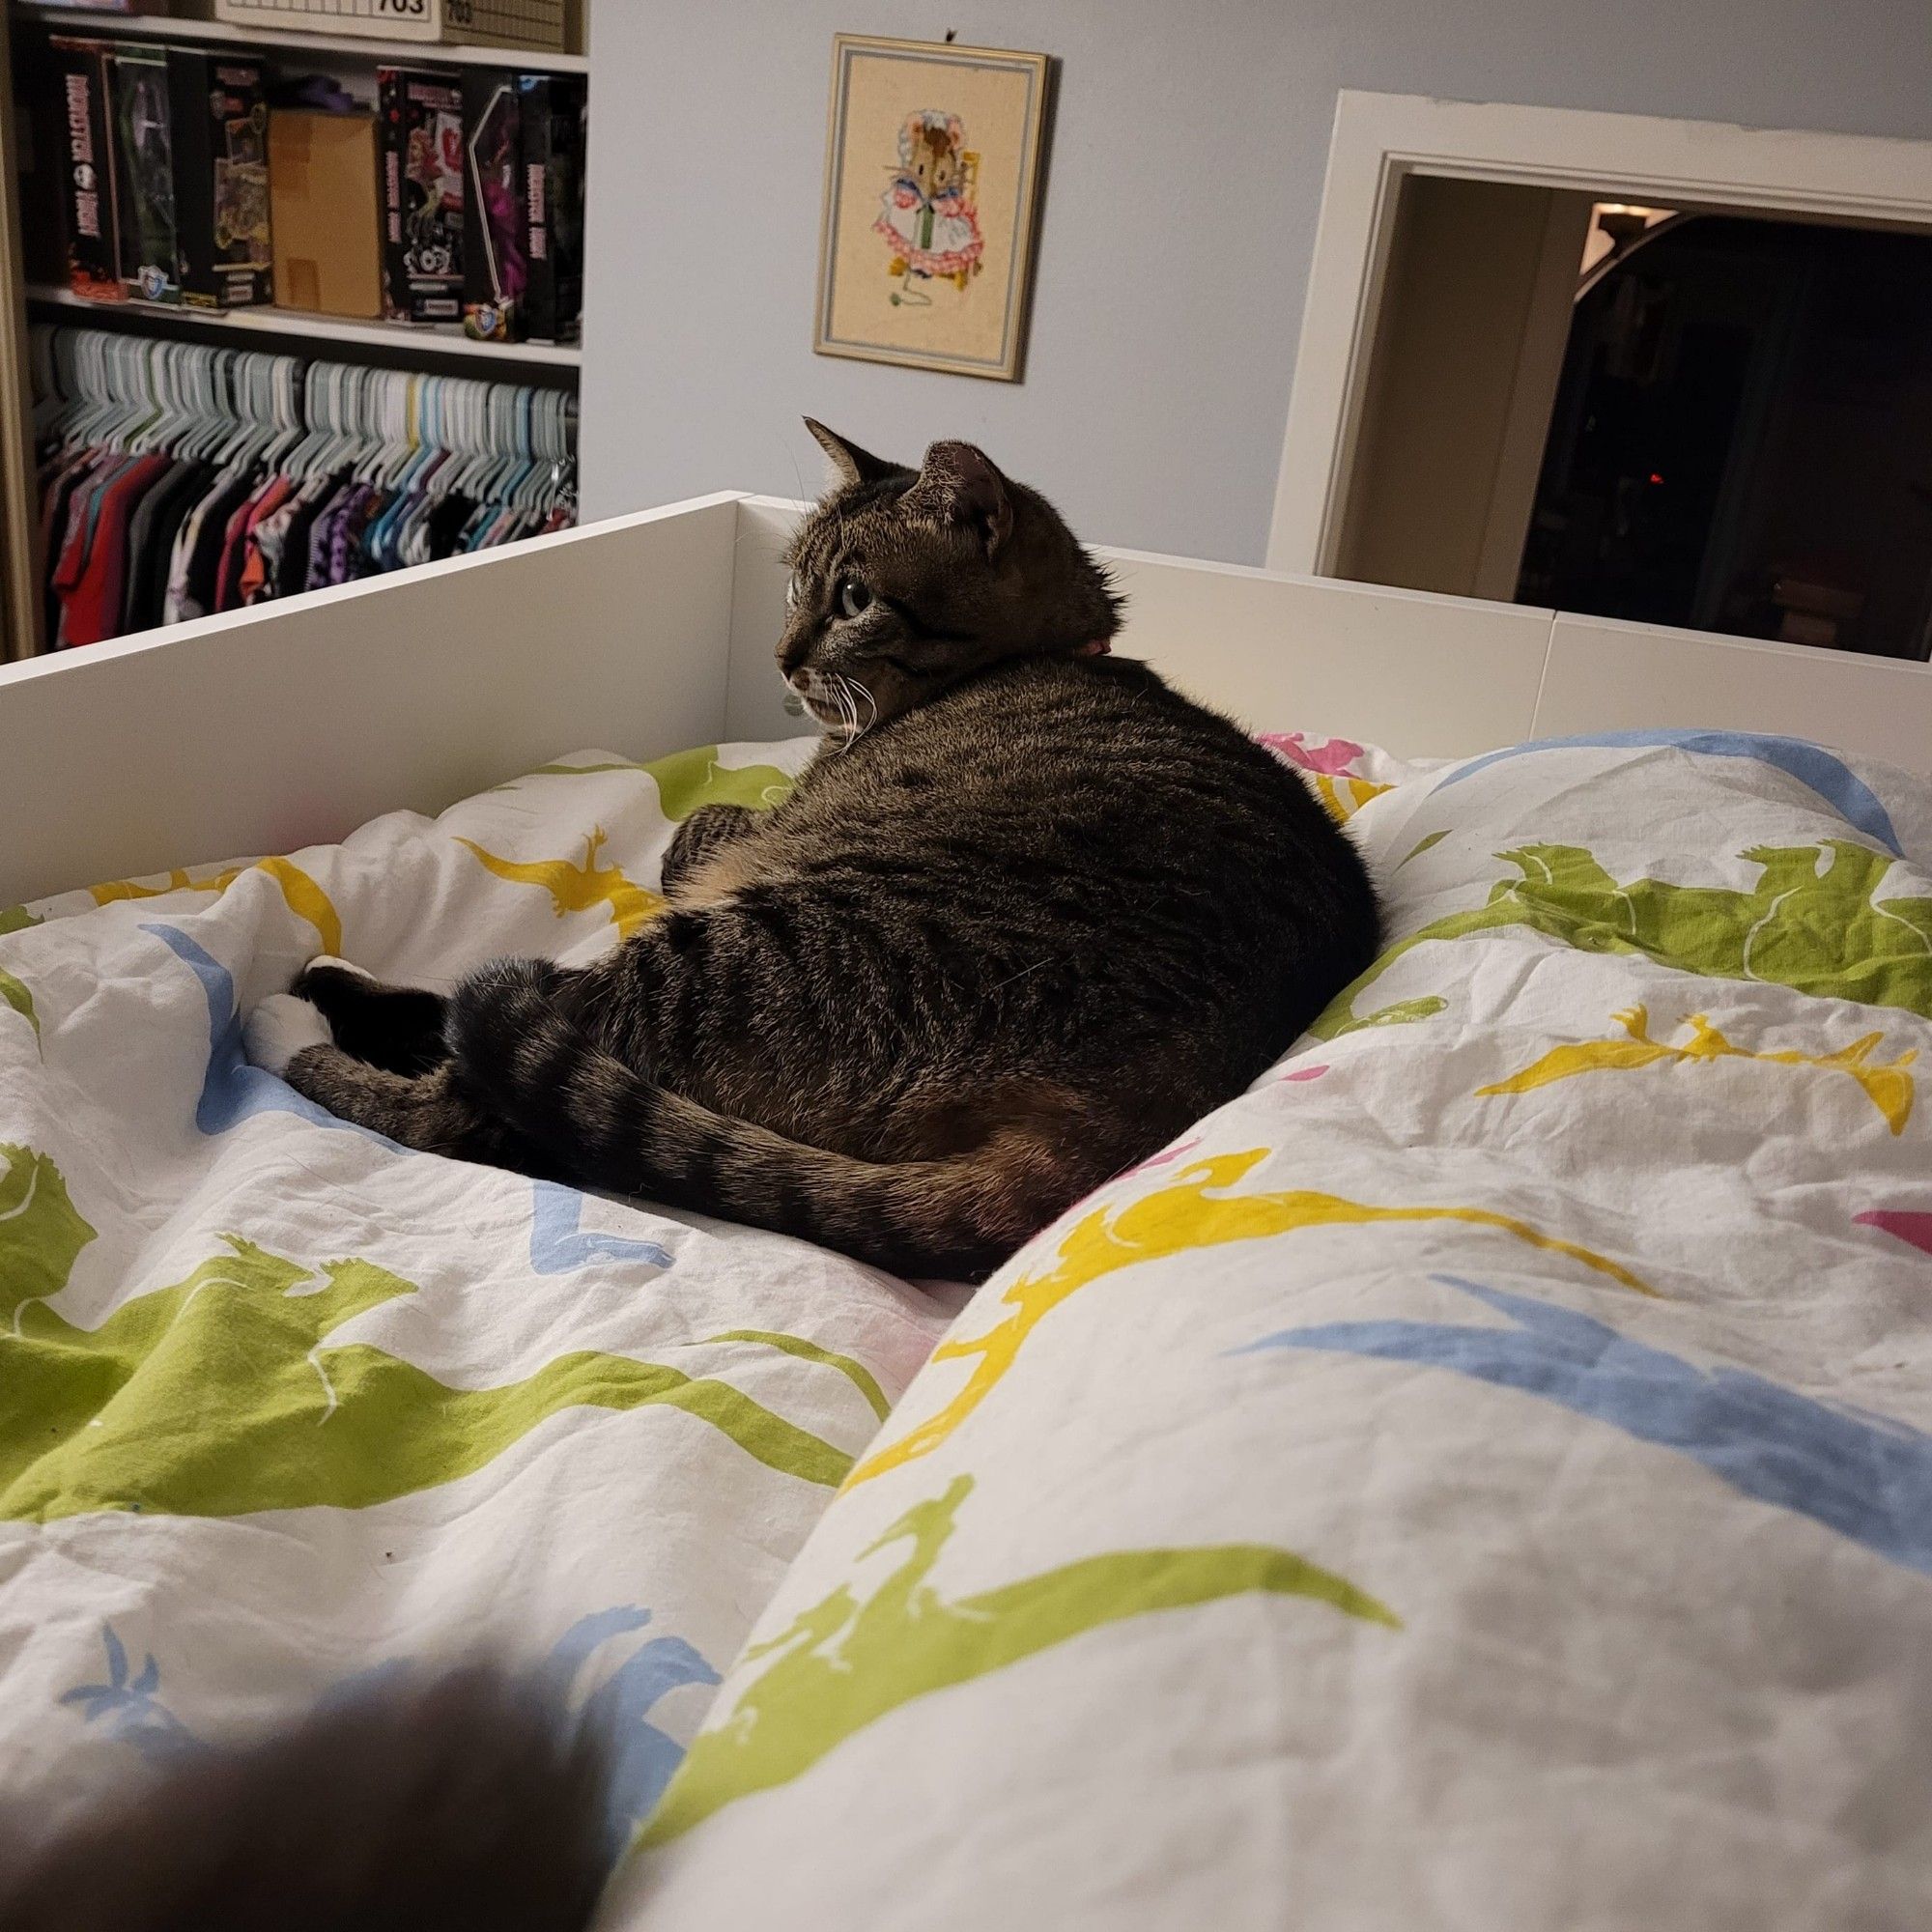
<point>553,112</point>
<point>144,175</point>
<point>40,135</point>
<point>496,226</point>
<point>421,116</point>
<point>220,134</point>
<point>84,71</point>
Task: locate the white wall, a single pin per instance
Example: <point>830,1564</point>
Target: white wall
<point>1182,196</point>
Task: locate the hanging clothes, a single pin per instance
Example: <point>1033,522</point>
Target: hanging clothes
<point>177,480</point>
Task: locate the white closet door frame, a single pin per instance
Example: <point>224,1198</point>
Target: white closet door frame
<point>1380,139</point>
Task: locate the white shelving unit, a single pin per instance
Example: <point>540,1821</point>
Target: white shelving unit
<point>429,339</point>
<point>171,32</point>
<point>349,59</point>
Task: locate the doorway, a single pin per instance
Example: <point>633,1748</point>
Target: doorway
<point>1740,439</point>
<point>1648,371</point>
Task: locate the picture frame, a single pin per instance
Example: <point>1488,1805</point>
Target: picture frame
<point>934,164</point>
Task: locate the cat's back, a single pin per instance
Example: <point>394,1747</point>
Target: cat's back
<point>1094,762</point>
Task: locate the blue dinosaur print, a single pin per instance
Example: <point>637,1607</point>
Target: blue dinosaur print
<point>1811,765</point>
<point>558,1244</point>
<point>1867,1477</point>
<point>232,1090</point>
<point>134,1712</point>
<point>641,1756</point>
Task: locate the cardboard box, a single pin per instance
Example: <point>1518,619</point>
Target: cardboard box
<point>421,113</point>
<point>326,212</point>
<point>495,230</point>
<point>84,73</point>
<point>538,24</point>
<point>222,178</point>
<point>554,112</point>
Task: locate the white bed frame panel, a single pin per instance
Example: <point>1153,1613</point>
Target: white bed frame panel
<point>265,730</point>
<point>1601,675</point>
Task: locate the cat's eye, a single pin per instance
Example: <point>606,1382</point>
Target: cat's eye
<point>791,593</point>
<point>853,597</point>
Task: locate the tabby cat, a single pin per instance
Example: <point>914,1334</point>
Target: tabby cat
<point>1027,915</point>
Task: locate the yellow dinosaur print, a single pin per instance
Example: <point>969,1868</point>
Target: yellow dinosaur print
<point>580,888</point>
<point>1344,805</point>
<point>1167,1222</point>
<point>1886,1083</point>
<point>305,898</point>
<point>179,880</point>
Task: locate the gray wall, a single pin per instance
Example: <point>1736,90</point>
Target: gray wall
<point>1181,197</point>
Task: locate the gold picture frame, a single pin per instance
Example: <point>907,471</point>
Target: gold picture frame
<point>933,162</point>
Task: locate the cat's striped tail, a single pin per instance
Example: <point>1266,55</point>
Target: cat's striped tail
<point>589,1118</point>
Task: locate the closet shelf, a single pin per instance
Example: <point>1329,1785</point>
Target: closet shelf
<point>428,339</point>
<point>171,32</point>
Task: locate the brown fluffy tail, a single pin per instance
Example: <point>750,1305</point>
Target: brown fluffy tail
<point>460,1806</point>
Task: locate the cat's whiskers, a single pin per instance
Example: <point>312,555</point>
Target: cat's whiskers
<point>841,688</point>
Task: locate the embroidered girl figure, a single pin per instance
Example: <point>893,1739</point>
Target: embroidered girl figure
<point>927,216</point>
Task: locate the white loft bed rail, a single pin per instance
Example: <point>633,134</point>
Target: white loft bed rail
<point>265,730</point>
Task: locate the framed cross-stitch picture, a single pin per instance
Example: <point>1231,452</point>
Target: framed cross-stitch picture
<point>932,179</point>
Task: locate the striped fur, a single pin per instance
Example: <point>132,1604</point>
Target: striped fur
<point>1028,914</point>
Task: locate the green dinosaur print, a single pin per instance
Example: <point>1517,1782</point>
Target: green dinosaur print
<point>844,1663</point>
<point>220,1396</point>
<point>16,995</point>
<point>13,992</point>
<point>691,778</point>
<point>856,1372</point>
<point>687,779</point>
<point>1813,922</point>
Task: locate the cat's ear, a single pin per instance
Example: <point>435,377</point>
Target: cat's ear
<point>958,484</point>
<point>851,463</point>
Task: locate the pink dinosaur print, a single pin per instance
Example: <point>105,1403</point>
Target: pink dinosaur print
<point>1332,756</point>
<point>1912,1226</point>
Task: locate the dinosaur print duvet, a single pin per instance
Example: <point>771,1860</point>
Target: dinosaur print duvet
<point>1481,1476</point>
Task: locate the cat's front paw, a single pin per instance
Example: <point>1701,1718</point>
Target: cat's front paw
<point>326,971</point>
<point>281,1027</point>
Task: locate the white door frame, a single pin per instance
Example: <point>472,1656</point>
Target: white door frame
<point>1380,138</point>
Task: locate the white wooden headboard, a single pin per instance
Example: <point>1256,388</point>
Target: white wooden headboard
<point>268,729</point>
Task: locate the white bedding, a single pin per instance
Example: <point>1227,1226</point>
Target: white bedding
<point>284,1405</point>
<point>1482,1477</point>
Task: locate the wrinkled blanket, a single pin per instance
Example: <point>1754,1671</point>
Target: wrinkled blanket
<point>1480,1477</point>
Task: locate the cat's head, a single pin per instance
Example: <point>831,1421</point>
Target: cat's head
<point>905,580</point>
